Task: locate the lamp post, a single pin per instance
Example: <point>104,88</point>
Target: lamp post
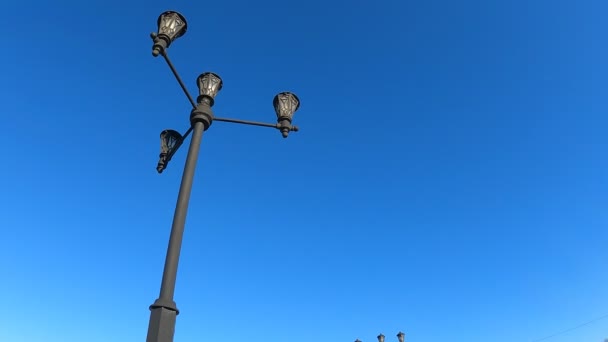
<point>172,25</point>
<point>381,337</point>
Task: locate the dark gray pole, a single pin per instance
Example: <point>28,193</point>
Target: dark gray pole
<point>164,310</point>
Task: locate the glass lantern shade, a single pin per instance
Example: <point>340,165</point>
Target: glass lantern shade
<point>209,84</point>
<point>380,338</point>
<point>285,105</point>
<point>169,140</point>
<point>401,336</point>
<point>172,25</point>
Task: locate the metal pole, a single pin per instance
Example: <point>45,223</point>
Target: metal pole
<point>164,310</point>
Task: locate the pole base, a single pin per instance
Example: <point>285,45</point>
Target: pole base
<point>162,325</point>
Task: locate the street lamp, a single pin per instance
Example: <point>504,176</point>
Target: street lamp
<point>172,25</point>
<point>381,337</point>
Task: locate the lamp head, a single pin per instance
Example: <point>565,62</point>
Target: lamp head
<point>285,105</point>
<point>209,84</point>
<point>171,25</point>
<point>170,141</point>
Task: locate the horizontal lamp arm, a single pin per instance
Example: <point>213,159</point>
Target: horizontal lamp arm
<point>254,123</point>
<point>162,164</point>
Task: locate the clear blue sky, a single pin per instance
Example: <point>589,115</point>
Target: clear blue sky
<point>450,178</point>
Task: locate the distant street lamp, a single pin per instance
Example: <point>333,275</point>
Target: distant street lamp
<point>381,337</point>
<point>172,25</point>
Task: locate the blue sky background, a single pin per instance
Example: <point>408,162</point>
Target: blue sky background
<point>450,178</point>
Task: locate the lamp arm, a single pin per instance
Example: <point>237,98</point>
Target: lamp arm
<point>177,77</point>
<point>255,123</point>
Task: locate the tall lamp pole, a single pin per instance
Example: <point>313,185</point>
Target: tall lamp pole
<point>172,25</point>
